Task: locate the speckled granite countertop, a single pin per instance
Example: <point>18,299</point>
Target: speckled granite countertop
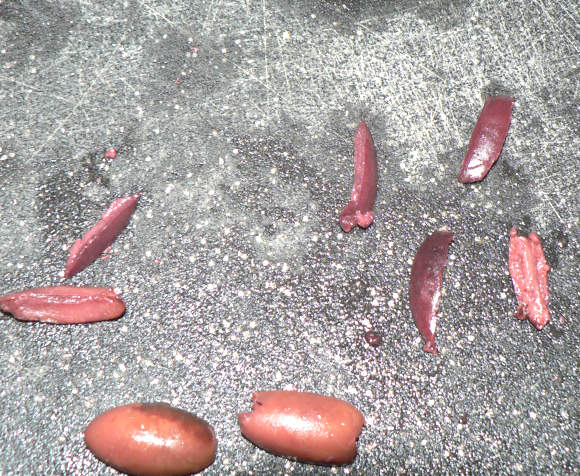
<point>235,119</point>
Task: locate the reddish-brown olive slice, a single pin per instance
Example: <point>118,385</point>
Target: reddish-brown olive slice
<point>102,235</point>
<point>425,284</point>
<point>529,271</point>
<point>64,304</point>
<point>359,210</point>
<point>307,426</point>
<point>487,138</point>
<point>152,439</point>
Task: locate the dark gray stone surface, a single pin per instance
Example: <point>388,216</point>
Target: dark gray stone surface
<point>235,119</point>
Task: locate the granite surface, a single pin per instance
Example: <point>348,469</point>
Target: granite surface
<point>235,120</point>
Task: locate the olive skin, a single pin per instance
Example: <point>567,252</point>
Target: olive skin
<point>426,283</point>
<point>152,439</point>
<point>64,304</point>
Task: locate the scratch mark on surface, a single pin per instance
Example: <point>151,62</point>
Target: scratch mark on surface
<point>77,104</point>
<point>207,20</point>
<point>555,24</point>
<point>567,224</point>
<point>265,38</point>
<point>34,88</point>
<point>155,12</point>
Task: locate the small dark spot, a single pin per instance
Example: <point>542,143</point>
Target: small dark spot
<point>527,221</point>
<point>495,88</point>
<point>555,332</point>
<point>374,340</point>
<point>463,419</point>
<point>92,170</point>
<point>561,239</point>
<point>508,170</point>
<point>553,245</point>
<point>270,230</point>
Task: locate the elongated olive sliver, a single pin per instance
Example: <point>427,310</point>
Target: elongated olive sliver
<point>487,139</point>
<point>425,284</point>
<point>529,272</point>
<point>359,210</point>
<point>101,236</point>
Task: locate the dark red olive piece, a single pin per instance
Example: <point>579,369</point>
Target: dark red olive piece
<point>529,271</point>
<point>487,138</point>
<point>425,284</point>
<point>373,339</point>
<point>152,439</point>
<point>64,304</point>
<point>102,235</point>
<point>306,426</point>
<point>359,210</point>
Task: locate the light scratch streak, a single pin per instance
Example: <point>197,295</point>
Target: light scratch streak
<point>265,38</point>
<point>77,104</point>
<point>555,24</point>
<point>34,88</point>
<point>155,12</point>
<point>207,20</point>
